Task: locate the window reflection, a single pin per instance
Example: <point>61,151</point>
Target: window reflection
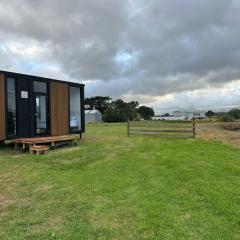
<point>41,114</point>
<point>11,102</point>
<point>75,109</point>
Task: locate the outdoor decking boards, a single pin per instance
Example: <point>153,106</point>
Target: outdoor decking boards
<point>29,142</point>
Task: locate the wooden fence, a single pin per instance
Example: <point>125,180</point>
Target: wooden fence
<point>164,129</point>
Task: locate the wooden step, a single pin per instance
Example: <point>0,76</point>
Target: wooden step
<point>39,149</point>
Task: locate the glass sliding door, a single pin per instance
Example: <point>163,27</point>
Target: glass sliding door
<point>75,109</point>
<point>41,115</point>
<point>41,108</point>
<point>11,107</point>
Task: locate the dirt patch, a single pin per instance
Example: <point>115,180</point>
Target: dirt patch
<point>98,220</point>
<point>5,201</point>
<point>54,222</point>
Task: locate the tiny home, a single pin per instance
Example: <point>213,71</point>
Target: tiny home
<point>32,106</point>
<point>93,116</point>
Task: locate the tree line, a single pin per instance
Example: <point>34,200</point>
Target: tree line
<point>233,114</point>
<point>118,110</point>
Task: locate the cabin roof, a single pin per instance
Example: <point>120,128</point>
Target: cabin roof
<point>39,77</point>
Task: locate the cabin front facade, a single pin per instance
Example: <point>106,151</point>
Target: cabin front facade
<point>33,106</point>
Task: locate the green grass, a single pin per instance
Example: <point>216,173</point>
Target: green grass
<point>114,187</point>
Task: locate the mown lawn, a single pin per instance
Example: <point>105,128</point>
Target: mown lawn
<point>114,187</point>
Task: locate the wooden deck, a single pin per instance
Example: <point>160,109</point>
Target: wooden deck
<point>27,143</point>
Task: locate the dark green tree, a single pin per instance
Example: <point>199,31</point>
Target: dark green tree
<point>234,113</point>
<point>210,113</point>
<point>123,111</point>
<point>98,102</point>
<point>127,109</point>
<point>113,111</point>
<point>146,112</point>
<point>114,115</point>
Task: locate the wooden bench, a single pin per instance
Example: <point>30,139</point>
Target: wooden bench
<point>39,149</point>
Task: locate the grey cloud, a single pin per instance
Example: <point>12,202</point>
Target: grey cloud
<point>215,99</point>
<point>175,45</point>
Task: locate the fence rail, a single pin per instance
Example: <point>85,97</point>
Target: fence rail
<point>164,129</point>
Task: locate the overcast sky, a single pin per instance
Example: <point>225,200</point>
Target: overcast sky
<point>168,54</point>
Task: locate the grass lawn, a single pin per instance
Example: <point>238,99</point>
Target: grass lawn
<point>114,187</point>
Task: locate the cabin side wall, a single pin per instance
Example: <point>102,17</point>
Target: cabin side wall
<point>2,109</point>
<point>59,107</point>
<point>82,110</point>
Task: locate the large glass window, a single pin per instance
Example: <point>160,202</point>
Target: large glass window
<point>41,120</point>
<point>11,102</point>
<point>75,109</point>
<point>41,114</point>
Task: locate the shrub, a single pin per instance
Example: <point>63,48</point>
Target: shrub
<point>234,113</point>
<point>226,118</point>
<point>112,115</point>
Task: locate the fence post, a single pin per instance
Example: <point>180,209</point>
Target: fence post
<point>128,132</point>
<point>194,128</point>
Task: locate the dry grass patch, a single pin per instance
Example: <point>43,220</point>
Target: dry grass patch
<point>55,223</point>
<point>216,131</point>
<point>233,126</point>
<point>5,201</point>
<point>44,188</point>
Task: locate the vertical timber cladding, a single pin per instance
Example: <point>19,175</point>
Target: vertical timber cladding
<point>59,102</point>
<point>2,108</point>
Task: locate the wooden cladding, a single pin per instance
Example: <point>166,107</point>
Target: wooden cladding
<point>59,104</point>
<point>2,108</point>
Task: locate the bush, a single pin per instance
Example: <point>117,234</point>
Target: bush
<point>146,112</point>
<point>234,113</point>
<point>226,118</point>
<point>112,115</point>
<point>210,114</point>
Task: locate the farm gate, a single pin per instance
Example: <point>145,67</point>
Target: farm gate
<point>164,129</point>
